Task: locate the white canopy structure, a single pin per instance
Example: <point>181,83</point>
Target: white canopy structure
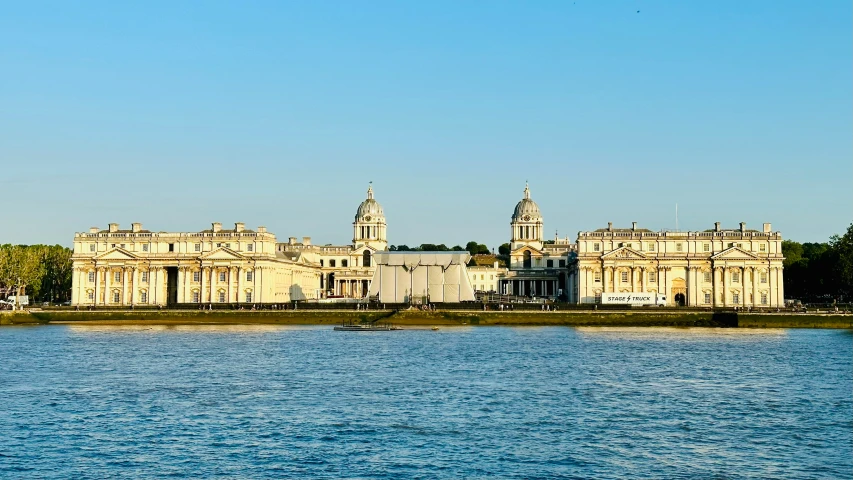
<point>421,277</point>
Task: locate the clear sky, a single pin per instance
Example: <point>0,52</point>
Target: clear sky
<point>178,114</point>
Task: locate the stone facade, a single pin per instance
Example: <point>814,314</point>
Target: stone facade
<point>139,267</point>
<point>346,270</point>
<point>714,268</point>
<point>537,268</point>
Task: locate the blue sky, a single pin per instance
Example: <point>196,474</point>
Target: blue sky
<point>178,114</point>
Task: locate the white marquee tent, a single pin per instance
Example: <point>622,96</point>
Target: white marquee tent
<point>421,277</point>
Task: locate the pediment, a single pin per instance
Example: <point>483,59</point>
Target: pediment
<point>625,253</point>
<point>116,254</point>
<point>362,248</point>
<point>526,248</point>
<point>222,253</point>
<point>734,253</point>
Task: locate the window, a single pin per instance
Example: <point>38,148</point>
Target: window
<point>707,298</point>
<point>321,262</point>
<point>624,277</point>
<point>91,247</point>
<point>221,297</point>
<point>197,247</point>
<point>196,297</point>
<point>653,276</point>
<point>482,277</point>
<point>227,245</point>
<point>250,276</point>
<point>731,245</point>
<point>91,277</point>
<point>707,276</point>
<point>250,248</point>
<point>735,297</point>
<point>550,263</point>
<point>651,247</point>
<point>171,247</point>
<point>113,246</point>
<point>221,276</point>
<point>116,297</point>
<point>706,247</point>
<point>332,263</point>
<point>764,298</point>
<point>739,245</point>
<point>562,264</point>
<point>91,295</point>
<point>762,247</point>
<point>218,245</point>
<point>678,247</point>
<point>143,297</point>
<point>122,245</point>
<point>144,277</point>
<point>763,277</point>
<point>117,276</point>
<point>366,258</point>
<point>735,277</point>
<point>196,276</point>
<point>344,263</point>
<point>248,297</point>
<point>596,247</point>
<point>491,277</point>
<point>597,297</point>
<point>597,276</point>
<point>144,247</point>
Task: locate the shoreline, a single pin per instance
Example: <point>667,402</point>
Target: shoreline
<point>436,318</point>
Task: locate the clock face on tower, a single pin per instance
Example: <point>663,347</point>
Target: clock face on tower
<point>526,218</point>
<point>367,218</point>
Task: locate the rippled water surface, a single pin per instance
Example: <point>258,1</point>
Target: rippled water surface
<point>307,402</point>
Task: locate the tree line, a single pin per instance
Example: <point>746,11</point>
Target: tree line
<point>471,247</point>
<point>819,272</point>
<point>41,271</point>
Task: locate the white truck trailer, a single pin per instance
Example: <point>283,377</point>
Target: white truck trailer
<point>633,299</point>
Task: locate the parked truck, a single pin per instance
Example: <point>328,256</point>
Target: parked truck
<point>633,299</point>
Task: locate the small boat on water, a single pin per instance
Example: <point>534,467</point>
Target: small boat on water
<point>434,328</point>
<point>365,327</point>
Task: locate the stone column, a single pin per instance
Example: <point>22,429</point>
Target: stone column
<point>725,284</point>
<point>716,287</point>
<point>743,284</point>
<point>212,283</point>
<point>134,289</point>
<point>756,295</point>
<point>182,276</point>
<point>230,292</point>
<point>240,275</point>
<point>124,286</point>
<point>97,286</point>
<point>262,282</point>
<point>605,272</point>
<point>107,281</point>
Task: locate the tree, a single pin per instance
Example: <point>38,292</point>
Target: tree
<point>843,257</point>
<point>504,249</point>
<point>475,248</point>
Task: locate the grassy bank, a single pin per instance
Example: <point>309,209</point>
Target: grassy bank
<point>415,317</point>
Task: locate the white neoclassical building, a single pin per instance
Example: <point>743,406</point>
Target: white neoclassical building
<point>712,268</point>
<point>346,270</point>
<point>537,267</point>
<point>117,267</point>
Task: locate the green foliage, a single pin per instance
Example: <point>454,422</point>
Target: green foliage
<point>819,272</point>
<point>475,248</point>
<point>41,271</point>
<point>503,249</point>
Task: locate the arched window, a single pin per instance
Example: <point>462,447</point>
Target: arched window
<point>366,258</point>
<point>332,263</point>
<point>344,263</point>
<point>527,261</point>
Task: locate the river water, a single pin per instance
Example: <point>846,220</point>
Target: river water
<point>307,402</point>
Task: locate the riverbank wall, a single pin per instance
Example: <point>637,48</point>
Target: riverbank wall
<point>672,318</point>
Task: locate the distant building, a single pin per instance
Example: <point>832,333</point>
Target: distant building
<point>346,270</point>
<point>537,268</point>
<point>713,268</point>
<point>140,267</point>
<point>485,272</point>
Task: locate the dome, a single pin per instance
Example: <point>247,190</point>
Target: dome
<point>369,207</point>
<point>526,210</point>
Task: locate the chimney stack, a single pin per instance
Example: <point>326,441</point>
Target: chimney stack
<point>262,229</point>
<point>136,227</point>
<point>291,241</point>
<point>216,227</point>
<point>716,226</point>
<point>306,241</point>
<point>239,227</point>
<point>96,229</point>
<point>113,227</point>
<point>633,225</point>
<point>767,228</point>
<point>742,227</point>
<point>609,226</point>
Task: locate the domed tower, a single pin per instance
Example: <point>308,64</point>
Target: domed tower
<point>369,225</point>
<point>527,223</point>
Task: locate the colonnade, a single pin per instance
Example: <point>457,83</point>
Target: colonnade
<point>532,287</point>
